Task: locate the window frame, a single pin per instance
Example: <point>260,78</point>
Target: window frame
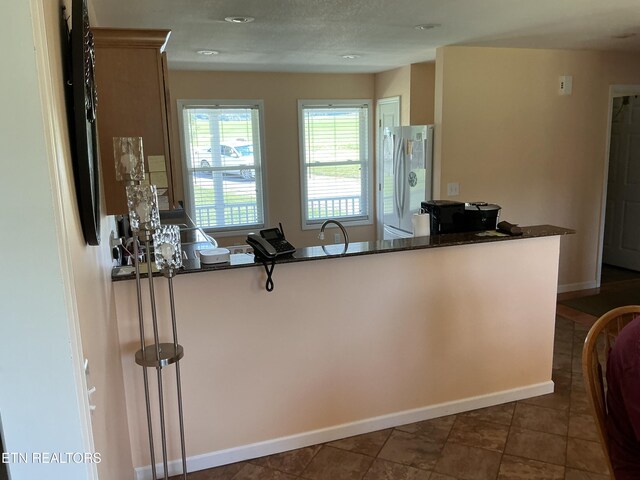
<point>260,171</point>
<point>368,189</point>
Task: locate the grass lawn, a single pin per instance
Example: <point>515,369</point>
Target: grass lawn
<point>206,196</point>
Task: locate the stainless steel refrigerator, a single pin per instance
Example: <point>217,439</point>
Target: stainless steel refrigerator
<point>407,156</point>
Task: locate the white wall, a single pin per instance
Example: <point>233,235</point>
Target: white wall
<point>40,372</point>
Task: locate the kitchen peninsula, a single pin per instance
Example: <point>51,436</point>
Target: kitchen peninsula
<point>390,333</point>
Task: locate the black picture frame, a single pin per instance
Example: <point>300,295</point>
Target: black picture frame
<point>82,100</point>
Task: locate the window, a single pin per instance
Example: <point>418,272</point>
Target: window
<point>336,178</point>
<point>222,145</point>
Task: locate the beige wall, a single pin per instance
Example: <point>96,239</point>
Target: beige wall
<point>423,84</point>
<point>415,85</point>
<point>393,83</point>
<point>93,290</point>
<point>504,133</point>
<point>280,93</point>
<point>349,346</point>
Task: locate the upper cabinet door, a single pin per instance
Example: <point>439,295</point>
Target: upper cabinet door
<point>132,102</point>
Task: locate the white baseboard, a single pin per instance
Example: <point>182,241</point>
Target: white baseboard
<point>572,287</point>
<point>283,444</point>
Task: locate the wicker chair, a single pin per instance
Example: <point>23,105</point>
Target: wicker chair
<point>595,352</point>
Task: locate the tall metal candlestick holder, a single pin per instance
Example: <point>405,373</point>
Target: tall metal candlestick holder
<point>144,219</point>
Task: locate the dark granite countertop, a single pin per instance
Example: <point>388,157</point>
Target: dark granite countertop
<point>303,254</point>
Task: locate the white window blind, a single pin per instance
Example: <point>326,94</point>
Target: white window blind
<point>335,166</point>
<point>223,165</point>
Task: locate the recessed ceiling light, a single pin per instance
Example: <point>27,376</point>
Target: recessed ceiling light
<point>239,19</point>
<point>427,26</point>
<point>350,56</point>
<point>207,52</point>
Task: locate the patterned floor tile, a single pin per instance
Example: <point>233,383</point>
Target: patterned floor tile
<point>226,472</point>
<point>561,381</point>
<point>544,447</point>
<point>576,363</point>
<point>367,444</point>
<point>335,464</point>
<point>502,414</point>
<point>557,400</point>
<point>573,474</point>
<point>585,455</point>
<point>577,383</point>
<point>476,433</point>
<point>255,472</point>
<point>411,449</point>
<point>541,419</point>
<point>293,462</point>
<point>441,476</point>
<point>384,470</point>
<point>562,346</point>
<point>562,361</point>
<point>584,427</point>
<point>516,468</point>
<point>468,463</point>
<point>435,430</point>
<point>580,403</point>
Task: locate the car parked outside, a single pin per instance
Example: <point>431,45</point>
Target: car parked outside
<point>232,154</point>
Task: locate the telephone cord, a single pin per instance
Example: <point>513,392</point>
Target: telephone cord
<point>269,284</point>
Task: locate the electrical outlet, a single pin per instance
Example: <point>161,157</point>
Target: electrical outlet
<point>565,85</point>
<point>336,238</point>
<point>453,189</point>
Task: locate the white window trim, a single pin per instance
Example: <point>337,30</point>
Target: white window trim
<point>186,186</point>
<point>316,224</point>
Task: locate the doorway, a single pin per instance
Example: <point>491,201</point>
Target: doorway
<point>387,115</point>
<point>621,223</point>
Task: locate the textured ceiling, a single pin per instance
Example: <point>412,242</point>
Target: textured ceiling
<point>312,35</point>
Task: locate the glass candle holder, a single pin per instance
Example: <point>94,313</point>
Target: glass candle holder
<point>128,158</point>
<point>167,247</point>
<point>142,201</point>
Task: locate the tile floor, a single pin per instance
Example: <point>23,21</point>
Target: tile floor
<point>551,437</point>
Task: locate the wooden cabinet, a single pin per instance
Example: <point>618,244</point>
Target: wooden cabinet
<point>133,101</point>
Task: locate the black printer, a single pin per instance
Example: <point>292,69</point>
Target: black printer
<point>454,217</point>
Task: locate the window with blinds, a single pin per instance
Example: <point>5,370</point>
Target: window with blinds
<point>222,145</point>
<point>335,144</point>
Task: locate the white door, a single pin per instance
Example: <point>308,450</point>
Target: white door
<point>388,115</point>
<point>622,218</point>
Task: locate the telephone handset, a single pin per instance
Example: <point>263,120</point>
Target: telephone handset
<point>260,246</point>
<point>271,243</point>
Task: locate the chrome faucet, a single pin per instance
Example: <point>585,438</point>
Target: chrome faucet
<point>344,233</point>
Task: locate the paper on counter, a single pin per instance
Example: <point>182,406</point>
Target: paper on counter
<point>491,233</point>
<point>145,269</point>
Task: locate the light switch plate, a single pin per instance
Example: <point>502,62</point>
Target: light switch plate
<point>453,189</point>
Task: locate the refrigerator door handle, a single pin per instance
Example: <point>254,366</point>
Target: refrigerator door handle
<point>397,152</point>
<point>402,180</point>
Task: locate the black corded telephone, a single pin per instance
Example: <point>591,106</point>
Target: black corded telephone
<point>271,243</point>
<point>268,246</point>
